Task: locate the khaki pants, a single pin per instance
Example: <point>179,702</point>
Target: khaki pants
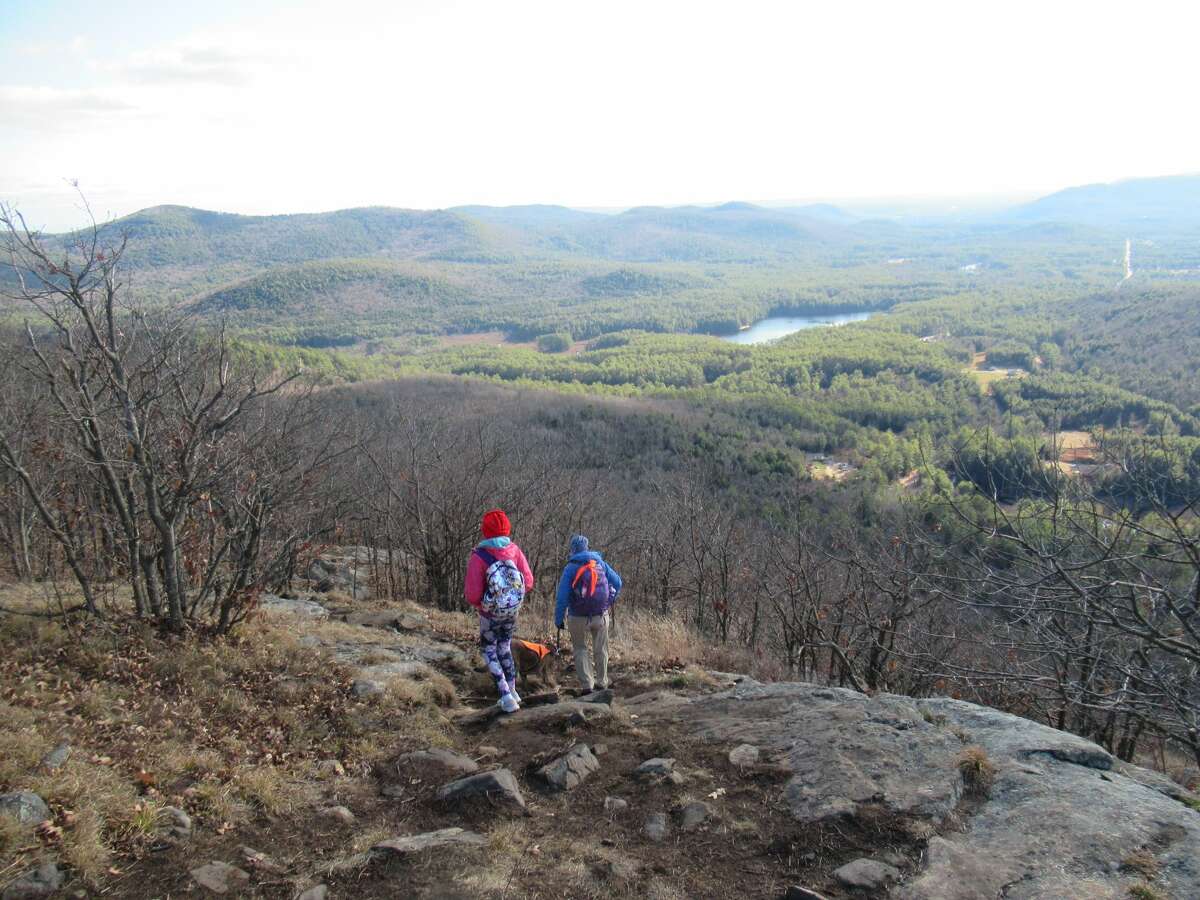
<point>596,626</point>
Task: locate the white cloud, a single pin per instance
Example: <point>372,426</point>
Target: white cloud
<point>267,107</point>
<point>187,65</point>
<point>50,107</point>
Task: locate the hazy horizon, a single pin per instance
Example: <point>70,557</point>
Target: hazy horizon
<point>261,107</point>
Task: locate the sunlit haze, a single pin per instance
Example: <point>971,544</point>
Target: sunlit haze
<point>261,107</point>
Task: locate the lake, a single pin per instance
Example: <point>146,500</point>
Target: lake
<point>775,327</point>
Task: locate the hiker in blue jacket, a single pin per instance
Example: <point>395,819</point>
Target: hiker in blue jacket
<point>586,592</point>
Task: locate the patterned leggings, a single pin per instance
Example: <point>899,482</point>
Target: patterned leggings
<point>495,639</point>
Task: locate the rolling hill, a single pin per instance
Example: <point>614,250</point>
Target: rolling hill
<point>1168,202</point>
<point>180,237</point>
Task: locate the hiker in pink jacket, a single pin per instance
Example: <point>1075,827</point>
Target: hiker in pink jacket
<point>498,578</point>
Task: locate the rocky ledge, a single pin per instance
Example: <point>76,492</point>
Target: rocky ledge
<point>1003,806</point>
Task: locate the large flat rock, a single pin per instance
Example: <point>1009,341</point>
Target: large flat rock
<point>410,845</point>
<point>842,749</point>
<point>1060,818</point>
<point>573,712</point>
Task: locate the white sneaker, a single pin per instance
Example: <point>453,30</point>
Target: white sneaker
<point>515,695</point>
<point>509,704</point>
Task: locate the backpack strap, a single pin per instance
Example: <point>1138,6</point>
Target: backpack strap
<point>590,570</point>
<point>488,558</point>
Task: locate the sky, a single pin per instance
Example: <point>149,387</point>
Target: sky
<point>265,107</point>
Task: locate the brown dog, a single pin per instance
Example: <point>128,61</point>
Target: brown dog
<point>537,660</point>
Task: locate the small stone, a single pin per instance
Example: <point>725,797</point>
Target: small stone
<point>454,763</point>
<point>656,827</point>
<point>57,757</point>
<point>654,769</point>
<point>486,751</point>
<point>408,845</point>
<point>600,749</point>
<point>571,769</point>
<point>24,806</point>
<point>694,814</point>
<point>605,696</point>
<point>220,877</point>
<point>339,814</point>
<point>316,892</point>
<point>173,825</point>
<point>500,784</point>
<point>615,804</point>
<point>366,687</point>
<point>260,861</point>
<point>44,881</point>
<point>330,768</point>
<point>675,778</point>
<point>795,892</point>
<point>744,755</point>
<point>867,874</point>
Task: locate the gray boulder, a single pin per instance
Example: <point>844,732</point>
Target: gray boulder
<point>498,785</point>
<point>658,771</point>
<point>220,877</point>
<point>290,606</point>
<point>44,881</point>
<point>744,755</point>
<point>654,769</point>
<point>173,825</point>
<point>615,805</point>
<point>571,769</point>
<point>693,815</point>
<point>24,806</point>
<point>656,827</point>
<point>867,875</point>
<point>410,845</point>
<point>441,758</point>
<point>1060,817</point>
<point>57,757</point>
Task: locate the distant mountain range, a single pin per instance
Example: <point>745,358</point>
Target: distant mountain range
<point>176,237</point>
<point>456,269</point>
<point>1168,202</point>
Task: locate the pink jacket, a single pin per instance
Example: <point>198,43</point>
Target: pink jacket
<point>475,582</point>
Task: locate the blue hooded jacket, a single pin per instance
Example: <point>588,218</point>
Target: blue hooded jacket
<point>581,555</point>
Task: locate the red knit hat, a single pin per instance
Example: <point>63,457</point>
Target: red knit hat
<point>495,524</point>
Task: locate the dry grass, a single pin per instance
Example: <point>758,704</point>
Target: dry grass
<point>978,772</point>
<point>1145,892</point>
<point>229,730</point>
<point>1143,862</point>
<point>356,854</point>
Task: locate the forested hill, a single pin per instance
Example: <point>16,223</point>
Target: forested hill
<point>1169,202</point>
<point>179,237</point>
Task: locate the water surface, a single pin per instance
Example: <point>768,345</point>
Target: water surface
<point>775,327</point>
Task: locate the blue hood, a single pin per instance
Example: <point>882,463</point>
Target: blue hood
<point>585,556</point>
